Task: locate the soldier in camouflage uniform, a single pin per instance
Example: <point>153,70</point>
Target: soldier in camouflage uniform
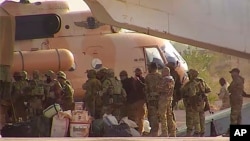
<point>152,97</point>
<point>236,89</point>
<point>19,94</point>
<point>194,100</point>
<point>36,93</point>
<point>52,89</point>
<point>67,99</point>
<point>114,95</point>
<point>93,100</point>
<point>102,74</point>
<point>166,90</point>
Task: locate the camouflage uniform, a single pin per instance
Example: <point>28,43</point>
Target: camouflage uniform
<point>67,99</point>
<point>52,89</point>
<point>92,98</point>
<point>114,96</point>
<point>19,94</point>
<point>203,89</point>
<point>193,97</point>
<point>102,74</point>
<point>236,88</point>
<point>152,97</point>
<point>166,89</point>
<point>224,94</point>
<point>36,94</point>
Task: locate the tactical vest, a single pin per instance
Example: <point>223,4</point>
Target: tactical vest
<point>152,81</point>
<point>68,91</point>
<point>115,93</point>
<point>190,89</point>
<point>38,89</point>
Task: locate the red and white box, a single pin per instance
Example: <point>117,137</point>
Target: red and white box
<point>80,116</point>
<point>78,129</point>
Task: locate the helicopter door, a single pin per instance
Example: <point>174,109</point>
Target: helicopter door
<point>153,54</point>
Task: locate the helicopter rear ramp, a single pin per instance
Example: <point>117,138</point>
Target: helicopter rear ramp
<point>219,25</point>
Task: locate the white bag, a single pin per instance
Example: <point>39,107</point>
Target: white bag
<point>109,120</point>
<point>129,122</point>
<point>52,110</point>
<point>59,126</point>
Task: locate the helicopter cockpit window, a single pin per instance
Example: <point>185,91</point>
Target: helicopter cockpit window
<point>153,55</point>
<point>37,26</point>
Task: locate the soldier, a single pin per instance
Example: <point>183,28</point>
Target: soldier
<point>102,74</point>
<point>136,96</point>
<point>93,100</point>
<point>52,89</point>
<point>166,90</point>
<point>37,93</point>
<point>19,93</point>
<point>114,95</point>
<point>127,84</point>
<point>224,94</point>
<point>67,99</point>
<point>194,100</point>
<point>236,89</point>
<point>152,97</point>
<point>24,76</point>
<point>177,87</point>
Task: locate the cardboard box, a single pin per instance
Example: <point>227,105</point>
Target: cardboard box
<point>78,129</point>
<point>81,116</point>
<point>78,105</point>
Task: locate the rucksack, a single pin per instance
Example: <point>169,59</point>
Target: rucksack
<point>121,130</point>
<point>115,93</point>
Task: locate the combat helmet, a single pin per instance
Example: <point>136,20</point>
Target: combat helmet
<point>24,74</point>
<point>61,74</point>
<point>91,73</point>
<point>111,73</point>
<point>50,74</point>
<point>103,70</point>
<point>193,73</point>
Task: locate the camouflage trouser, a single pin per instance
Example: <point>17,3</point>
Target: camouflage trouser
<point>192,119</point>
<point>90,106</point>
<point>236,105</point>
<point>136,112</point>
<point>153,119</point>
<point>202,122</point>
<point>166,117</point>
